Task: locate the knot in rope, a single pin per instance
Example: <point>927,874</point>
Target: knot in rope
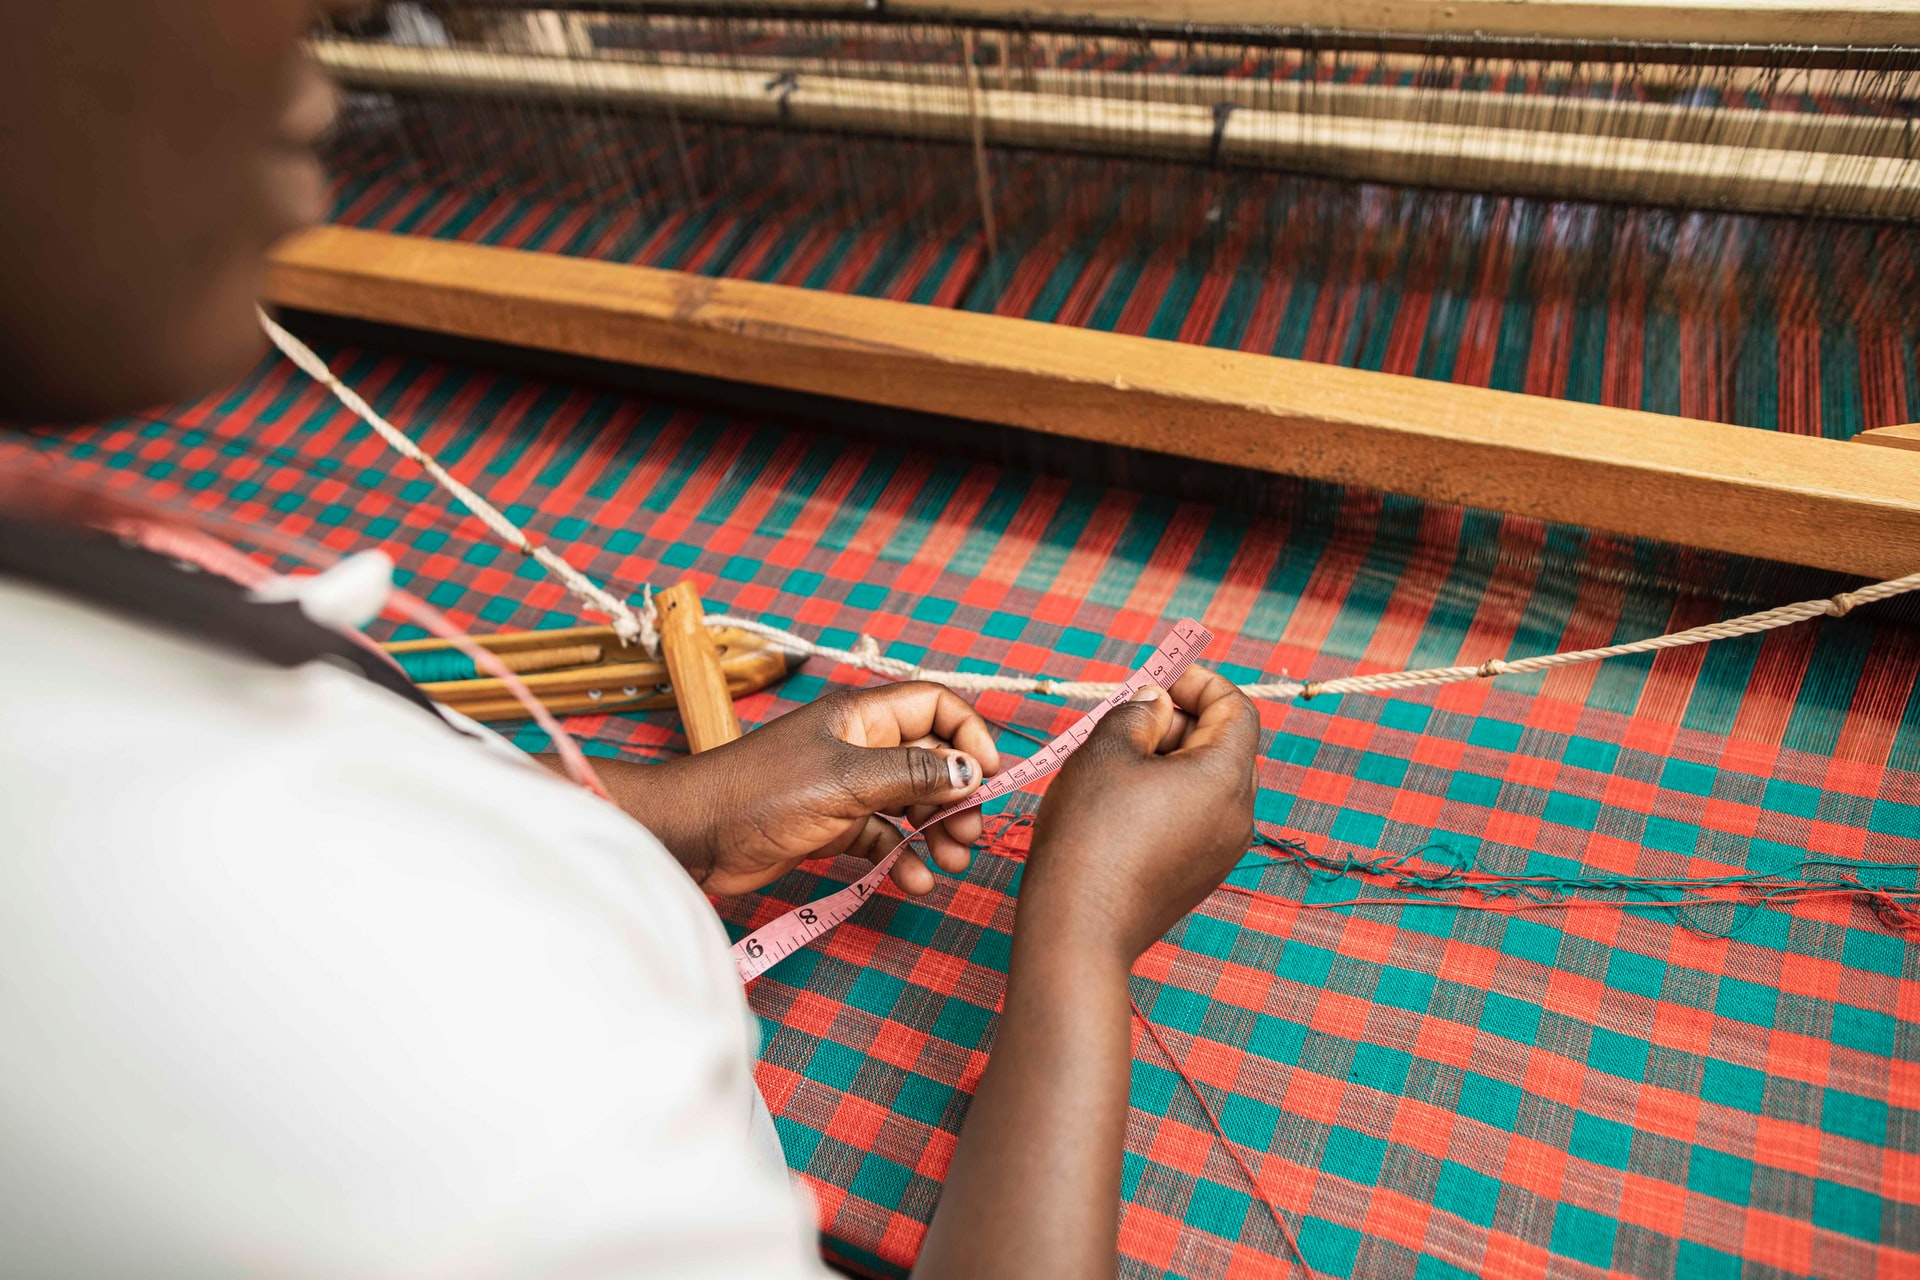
<point>866,651</point>
<point>1839,606</point>
<point>1490,668</point>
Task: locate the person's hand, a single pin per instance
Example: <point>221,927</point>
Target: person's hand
<point>809,784</point>
<point>1145,819</point>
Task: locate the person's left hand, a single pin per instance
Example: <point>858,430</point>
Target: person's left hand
<point>809,785</point>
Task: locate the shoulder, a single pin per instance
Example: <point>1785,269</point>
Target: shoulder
<point>302,963</point>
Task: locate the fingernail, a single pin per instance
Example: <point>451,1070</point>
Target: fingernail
<point>962,770</point>
<point>1146,693</point>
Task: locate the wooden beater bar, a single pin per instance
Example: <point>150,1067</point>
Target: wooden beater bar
<point>1826,503</point>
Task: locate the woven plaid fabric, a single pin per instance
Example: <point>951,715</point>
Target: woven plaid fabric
<point>1425,1093</point>
<point>1770,323</point>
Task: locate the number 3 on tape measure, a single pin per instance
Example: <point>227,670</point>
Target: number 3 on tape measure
<point>757,952</point>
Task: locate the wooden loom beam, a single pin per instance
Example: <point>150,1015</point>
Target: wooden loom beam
<point>1656,170</point>
<point>1824,503</point>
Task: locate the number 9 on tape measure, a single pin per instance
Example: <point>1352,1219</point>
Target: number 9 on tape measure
<point>779,938</point>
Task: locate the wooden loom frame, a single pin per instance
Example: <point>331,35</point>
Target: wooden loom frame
<point>1746,160</point>
<point>1828,23</point>
<point>1829,504</point>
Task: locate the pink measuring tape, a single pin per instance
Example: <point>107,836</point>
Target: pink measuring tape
<point>774,941</point>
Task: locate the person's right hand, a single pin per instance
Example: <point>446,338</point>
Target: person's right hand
<point>1145,819</point>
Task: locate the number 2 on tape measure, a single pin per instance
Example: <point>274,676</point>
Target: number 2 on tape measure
<point>779,938</point>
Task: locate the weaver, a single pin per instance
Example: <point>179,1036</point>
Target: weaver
<point>1420,1092</point>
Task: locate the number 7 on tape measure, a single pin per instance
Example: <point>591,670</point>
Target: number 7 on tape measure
<point>774,941</point>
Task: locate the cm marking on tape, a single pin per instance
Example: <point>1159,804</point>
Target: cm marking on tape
<point>774,941</point>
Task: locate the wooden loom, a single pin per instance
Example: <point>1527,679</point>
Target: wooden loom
<point>1830,504</point>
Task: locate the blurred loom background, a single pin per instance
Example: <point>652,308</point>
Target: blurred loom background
<point>1709,212</point>
<point>1166,179</point>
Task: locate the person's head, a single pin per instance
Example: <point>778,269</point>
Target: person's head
<point>150,152</point>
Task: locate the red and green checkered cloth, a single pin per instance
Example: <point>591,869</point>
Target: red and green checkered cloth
<point>1425,1093</point>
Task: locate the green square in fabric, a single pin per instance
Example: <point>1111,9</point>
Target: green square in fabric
<point>865,596</point>
<point>1697,1260</point>
<point>1404,989</point>
<point>875,992</point>
<point>932,610</point>
<point>1334,1248</point>
<point>1214,1203</point>
<point>961,1023</point>
<point>1492,1102</point>
<point>1583,1235</point>
<point>1670,836</point>
<point>1277,1040</point>
<point>1746,1001</point>
<point>1381,1068</point>
<point>993,949</point>
<point>1792,798</point>
<point>1154,1089</point>
<point>797,1141</point>
<point>1307,964</point>
<point>1684,775</point>
<point>1473,788</point>
<point>1717,1174</point>
<point>1847,1210</point>
<point>1496,735</point>
<point>1891,817</point>
<point>1461,1191</point>
<point>1181,1010</point>
<point>881,1180</point>
<point>1513,1019</point>
<point>1387,771</point>
<point>1081,644</point>
<point>1003,626</point>
<point>1249,1122</point>
<point>1875,952</point>
<point>1362,829</point>
<point>1577,812</point>
<point>1526,940</point>
<point>922,1099</point>
<point>1865,1030</point>
<point>1741,1088</point>
<point>835,1064</point>
<point>1209,937</point>
<point>1636,973</point>
<point>1605,1142</point>
<point>1409,717</point>
<point>1131,1168</point>
<point>1586,753</point>
<point>1851,1116</point>
<point>1618,1055</point>
<point>1354,1156</point>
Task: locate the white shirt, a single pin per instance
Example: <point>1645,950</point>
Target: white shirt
<point>295,981</point>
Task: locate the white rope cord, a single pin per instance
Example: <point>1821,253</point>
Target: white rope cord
<point>630,625</point>
<point>633,624</point>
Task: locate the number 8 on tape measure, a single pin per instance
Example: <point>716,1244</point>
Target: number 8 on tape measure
<point>774,941</point>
